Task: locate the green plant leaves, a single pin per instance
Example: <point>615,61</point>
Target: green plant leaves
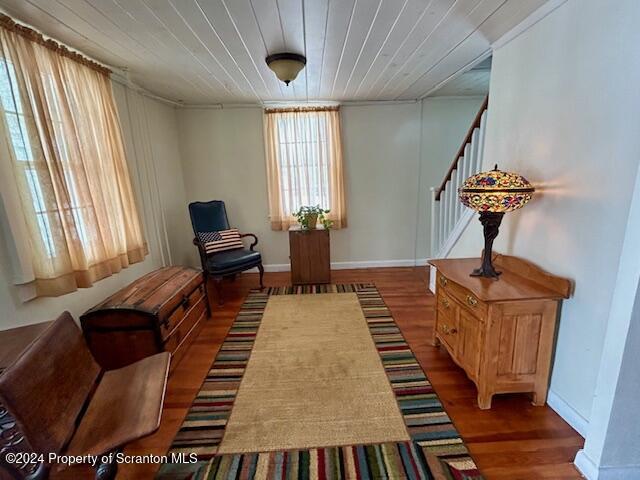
<point>307,212</point>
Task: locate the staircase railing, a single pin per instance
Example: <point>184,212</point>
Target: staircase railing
<point>448,215</point>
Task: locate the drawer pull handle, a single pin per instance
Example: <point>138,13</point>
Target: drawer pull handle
<point>471,301</point>
<point>185,301</point>
<point>443,281</point>
<point>453,331</point>
<point>445,302</point>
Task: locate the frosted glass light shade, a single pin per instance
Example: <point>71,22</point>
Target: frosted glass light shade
<point>495,191</point>
<point>286,66</point>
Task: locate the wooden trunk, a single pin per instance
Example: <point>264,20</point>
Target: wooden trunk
<point>161,311</point>
<point>501,332</point>
<point>310,256</point>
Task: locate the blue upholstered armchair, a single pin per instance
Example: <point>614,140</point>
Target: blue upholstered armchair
<point>212,217</point>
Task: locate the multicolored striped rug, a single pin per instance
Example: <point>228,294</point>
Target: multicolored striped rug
<point>435,451</point>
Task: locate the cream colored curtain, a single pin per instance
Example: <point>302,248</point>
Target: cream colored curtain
<point>68,163</point>
<point>304,163</point>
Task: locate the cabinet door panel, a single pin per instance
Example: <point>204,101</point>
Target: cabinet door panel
<point>469,336</point>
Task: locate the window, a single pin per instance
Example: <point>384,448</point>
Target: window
<point>76,219</point>
<point>304,169</point>
<point>304,163</point>
<point>18,123</point>
<point>16,120</point>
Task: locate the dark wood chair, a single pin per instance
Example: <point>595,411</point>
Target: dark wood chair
<point>64,403</point>
<point>212,217</point>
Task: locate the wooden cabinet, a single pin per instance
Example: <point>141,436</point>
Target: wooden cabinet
<point>161,311</point>
<point>309,252</point>
<point>501,332</point>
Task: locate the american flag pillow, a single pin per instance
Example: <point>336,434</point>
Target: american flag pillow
<point>220,241</point>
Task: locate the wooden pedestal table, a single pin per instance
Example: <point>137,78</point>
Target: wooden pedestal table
<point>309,251</point>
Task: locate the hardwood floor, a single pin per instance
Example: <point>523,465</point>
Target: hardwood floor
<point>514,440</point>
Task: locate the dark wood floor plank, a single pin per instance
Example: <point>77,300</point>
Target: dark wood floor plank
<point>514,440</point>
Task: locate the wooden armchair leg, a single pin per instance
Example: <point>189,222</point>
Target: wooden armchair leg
<point>261,269</point>
<point>206,294</point>
<point>218,283</point>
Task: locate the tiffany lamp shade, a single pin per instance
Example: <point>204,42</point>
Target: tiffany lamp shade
<point>492,194</point>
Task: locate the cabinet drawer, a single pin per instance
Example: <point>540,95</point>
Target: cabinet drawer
<point>178,334</point>
<point>448,332</point>
<point>463,297</point>
<point>447,322</point>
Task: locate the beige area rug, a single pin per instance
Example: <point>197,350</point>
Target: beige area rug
<point>314,379</point>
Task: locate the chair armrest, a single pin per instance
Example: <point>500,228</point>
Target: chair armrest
<point>255,239</point>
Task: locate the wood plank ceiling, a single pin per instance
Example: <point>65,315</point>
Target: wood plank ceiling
<point>213,51</point>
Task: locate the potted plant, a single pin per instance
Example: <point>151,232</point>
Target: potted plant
<point>309,216</point>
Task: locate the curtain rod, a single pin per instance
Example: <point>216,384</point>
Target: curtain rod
<point>11,25</point>
<point>331,108</point>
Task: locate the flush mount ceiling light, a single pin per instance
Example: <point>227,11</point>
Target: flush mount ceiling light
<point>286,66</point>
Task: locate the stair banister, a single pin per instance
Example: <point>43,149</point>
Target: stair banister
<point>448,217</point>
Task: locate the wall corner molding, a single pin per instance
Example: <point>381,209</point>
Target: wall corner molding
<point>568,413</point>
<point>587,467</point>
<point>527,23</point>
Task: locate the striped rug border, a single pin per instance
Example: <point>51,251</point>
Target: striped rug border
<point>436,450</point>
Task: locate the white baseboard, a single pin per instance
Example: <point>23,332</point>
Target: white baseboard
<point>586,466</point>
<point>379,264</point>
<point>274,267</point>
<point>285,267</point>
<point>568,413</point>
<point>591,471</point>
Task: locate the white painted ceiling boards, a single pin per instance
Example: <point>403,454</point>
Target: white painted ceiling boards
<point>213,51</point>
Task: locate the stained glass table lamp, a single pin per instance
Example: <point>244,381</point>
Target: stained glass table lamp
<point>493,193</point>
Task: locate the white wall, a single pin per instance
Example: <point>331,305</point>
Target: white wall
<point>381,155</point>
<point>150,131</point>
<point>222,151</point>
<point>612,445</point>
<point>177,156</point>
<point>563,111</point>
<point>222,156</point>
<point>158,126</point>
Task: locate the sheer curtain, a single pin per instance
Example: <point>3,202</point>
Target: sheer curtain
<point>304,163</point>
<point>75,219</point>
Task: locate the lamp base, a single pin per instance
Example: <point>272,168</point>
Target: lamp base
<point>490,224</point>
<point>485,272</point>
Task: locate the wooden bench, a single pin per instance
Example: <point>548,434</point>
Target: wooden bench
<point>64,403</point>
